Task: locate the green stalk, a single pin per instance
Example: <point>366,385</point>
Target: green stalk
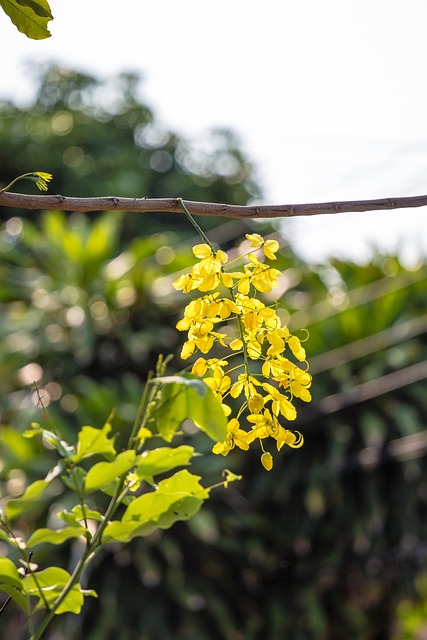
<point>141,410</point>
<point>199,230</point>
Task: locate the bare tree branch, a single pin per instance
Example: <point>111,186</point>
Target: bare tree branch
<point>172,205</point>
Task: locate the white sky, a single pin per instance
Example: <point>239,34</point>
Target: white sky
<point>328,97</point>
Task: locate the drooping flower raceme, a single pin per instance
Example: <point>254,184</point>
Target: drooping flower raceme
<point>230,314</point>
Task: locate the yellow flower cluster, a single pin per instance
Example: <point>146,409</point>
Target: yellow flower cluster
<point>41,179</point>
<point>268,390</point>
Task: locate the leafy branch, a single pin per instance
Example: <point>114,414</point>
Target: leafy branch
<point>138,502</point>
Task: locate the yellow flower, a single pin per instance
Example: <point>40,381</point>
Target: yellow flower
<point>256,403</point>
<point>202,251</point>
<point>267,461</point>
<point>270,248</point>
<point>42,179</point>
<point>188,349</point>
<point>235,436</point>
<point>218,383</point>
<point>207,271</point>
<point>300,391</point>
<point>255,239</point>
<point>296,348</point>
<point>266,279</point>
<point>279,402</point>
<point>200,367</point>
<point>289,438</point>
<point>244,383</point>
<point>133,482</point>
<point>185,283</point>
<point>266,424</point>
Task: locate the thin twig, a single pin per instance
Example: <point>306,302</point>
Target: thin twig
<point>175,205</point>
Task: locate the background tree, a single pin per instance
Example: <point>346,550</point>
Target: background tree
<point>104,140</point>
<point>326,543</point>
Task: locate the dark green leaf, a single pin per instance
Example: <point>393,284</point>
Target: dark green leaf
<point>40,7</point>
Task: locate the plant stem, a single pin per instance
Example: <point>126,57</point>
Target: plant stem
<point>141,410</point>
<point>199,230</point>
<point>91,549</point>
<point>70,584</point>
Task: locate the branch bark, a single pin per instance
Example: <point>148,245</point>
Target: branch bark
<point>172,205</point>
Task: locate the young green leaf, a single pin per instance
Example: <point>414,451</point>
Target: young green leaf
<point>9,573</point>
<point>187,396</point>
<point>16,596</point>
<point>52,581</point>
<point>73,517</point>
<point>5,536</point>
<point>57,536</point>
<point>103,473</point>
<point>75,600</point>
<point>157,461</point>
<point>75,480</point>
<point>17,506</point>
<point>91,441</point>
<point>176,498</point>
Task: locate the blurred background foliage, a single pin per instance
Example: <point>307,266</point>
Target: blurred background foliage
<point>329,543</point>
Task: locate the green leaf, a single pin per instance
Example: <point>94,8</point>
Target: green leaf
<point>73,517</point>
<point>91,441</point>
<point>57,536</point>
<point>18,505</point>
<point>16,596</point>
<point>75,480</point>
<point>47,579</point>
<point>29,16</point>
<point>103,473</point>
<point>52,582</point>
<point>187,396</point>
<point>9,573</point>
<point>176,498</point>
<point>4,536</point>
<point>75,600</point>
<point>163,459</point>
